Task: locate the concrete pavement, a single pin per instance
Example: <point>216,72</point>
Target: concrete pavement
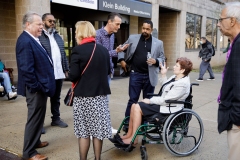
<point>63,144</point>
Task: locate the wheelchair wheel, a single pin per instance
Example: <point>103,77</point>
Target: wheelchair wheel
<point>183,132</point>
<point>144,155</point>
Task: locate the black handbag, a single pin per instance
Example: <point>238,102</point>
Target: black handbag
<point>68,100</point>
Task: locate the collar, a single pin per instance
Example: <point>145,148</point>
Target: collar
<point>87,40</point>
<point>105,32</point>
<point>37,39</point>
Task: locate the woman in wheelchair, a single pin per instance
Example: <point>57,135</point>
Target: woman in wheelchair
<point>177,87</point>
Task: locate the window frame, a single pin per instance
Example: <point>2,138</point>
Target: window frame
<point>195,29</point>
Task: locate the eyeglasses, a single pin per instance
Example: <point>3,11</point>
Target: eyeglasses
<point>221,19</point>
<point>51,21</point>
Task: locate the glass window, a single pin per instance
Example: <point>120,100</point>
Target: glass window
<point>223,42</point>
<point>211,31</point>
<point>193,31</point>
<point>66,34</point>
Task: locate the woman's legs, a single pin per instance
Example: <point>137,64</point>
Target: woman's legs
<point>136,115</point>
<point>84,144</point>
<point>97,147</point>
<point>129,133</point>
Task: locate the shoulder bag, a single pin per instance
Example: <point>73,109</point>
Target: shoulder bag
<point>68,100</point>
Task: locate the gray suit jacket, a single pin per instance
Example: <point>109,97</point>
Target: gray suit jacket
<point>157,52</point>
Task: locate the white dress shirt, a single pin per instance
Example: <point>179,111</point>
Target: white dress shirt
<point>56,57</point>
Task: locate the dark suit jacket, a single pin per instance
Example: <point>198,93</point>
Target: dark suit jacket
<point>229,108</point>
<point>94,81</point>
<point>35,69</point>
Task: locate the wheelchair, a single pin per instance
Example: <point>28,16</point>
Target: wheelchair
<point>180,132</point>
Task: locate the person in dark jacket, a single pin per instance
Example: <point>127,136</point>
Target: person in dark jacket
<point>90,110</point>
<point>229,98</point>
<point>36,82</point>
<point>54,45</point>
<point>206,54</point>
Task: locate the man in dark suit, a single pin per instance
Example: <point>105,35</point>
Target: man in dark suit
<point>35,81</point>
<point>229,98</point>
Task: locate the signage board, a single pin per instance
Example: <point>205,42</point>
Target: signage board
<point>91,4</point>
<point>128,7</point>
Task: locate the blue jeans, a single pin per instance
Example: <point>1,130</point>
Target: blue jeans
<point>6,81</point>
<point>138,82</point>
<point>55,101</point>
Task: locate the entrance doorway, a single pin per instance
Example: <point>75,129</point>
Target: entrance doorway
<point>168,33</point>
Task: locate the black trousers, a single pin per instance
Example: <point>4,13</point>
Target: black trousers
<point>55,101</point>
<point>36,103</point>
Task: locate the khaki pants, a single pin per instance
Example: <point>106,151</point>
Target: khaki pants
<point>233,137</point>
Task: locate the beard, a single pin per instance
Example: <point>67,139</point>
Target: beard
<point>50,29</point>
<point>145,34</point>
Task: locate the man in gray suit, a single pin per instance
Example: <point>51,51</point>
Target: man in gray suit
<point>143,56</point>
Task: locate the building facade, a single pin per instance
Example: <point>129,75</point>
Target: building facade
<point>178,23</point>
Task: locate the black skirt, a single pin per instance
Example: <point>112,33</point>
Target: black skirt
<point>149,109</point>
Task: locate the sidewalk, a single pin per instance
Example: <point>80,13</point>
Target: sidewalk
<point>63,144</point>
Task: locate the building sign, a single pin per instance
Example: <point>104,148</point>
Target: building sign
<point>92,4</point>
<point>128,7</point>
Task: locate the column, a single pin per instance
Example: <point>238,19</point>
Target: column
<point>203,26</point>
<point>24,6</point>
<point>155,17</point>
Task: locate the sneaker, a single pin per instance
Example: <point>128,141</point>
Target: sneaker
<point>114,131</point>
<point>210,79</point>
<point>12,95</point>
<point>1,89</point>
<point>43,130</point>
<point>14,88</point>
<point>59,123</point>
<point>199,79</point>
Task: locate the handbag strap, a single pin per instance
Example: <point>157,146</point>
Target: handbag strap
<point>85,66</point>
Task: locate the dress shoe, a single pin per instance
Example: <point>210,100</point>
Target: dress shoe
<point>114,139</point>
<point>38,157</point>
<point>42,144</point>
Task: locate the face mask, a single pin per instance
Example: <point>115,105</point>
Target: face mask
<point>201,42</point>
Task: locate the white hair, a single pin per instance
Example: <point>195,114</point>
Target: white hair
<point>233,10</point>
<point>28,17</point>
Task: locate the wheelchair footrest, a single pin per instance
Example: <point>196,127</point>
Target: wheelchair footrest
<point>127,148</point>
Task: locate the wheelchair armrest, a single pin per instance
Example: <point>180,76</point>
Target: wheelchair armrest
<point>194,84</point>
<point>176,102</point>
<point>152,94</point>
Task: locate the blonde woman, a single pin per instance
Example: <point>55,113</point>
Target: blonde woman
<point>90,110</point>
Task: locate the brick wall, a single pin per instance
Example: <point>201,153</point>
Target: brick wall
<point>168,34</point>
<point>133,27</point>
<point>8,34</point>
<point>23,6</point>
